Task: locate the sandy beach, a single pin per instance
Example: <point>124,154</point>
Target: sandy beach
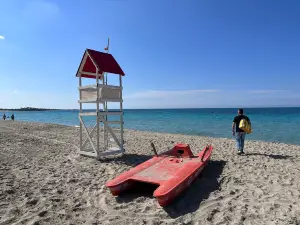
<point>43,180</point>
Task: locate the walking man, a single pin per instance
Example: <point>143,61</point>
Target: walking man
<point>239,133</point>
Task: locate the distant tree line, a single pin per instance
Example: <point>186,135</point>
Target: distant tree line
<point>27,109</point>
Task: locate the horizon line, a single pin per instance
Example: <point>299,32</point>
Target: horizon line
<point>248,107</point>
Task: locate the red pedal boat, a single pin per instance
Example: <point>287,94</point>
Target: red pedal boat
<point>174,171</point>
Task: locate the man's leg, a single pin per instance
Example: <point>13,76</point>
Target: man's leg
<point>242,142</point>
<point>238,141</point>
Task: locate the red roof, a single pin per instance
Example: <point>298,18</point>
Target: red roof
<point>105,62</point>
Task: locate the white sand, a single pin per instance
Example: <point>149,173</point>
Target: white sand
<point>43,180</point>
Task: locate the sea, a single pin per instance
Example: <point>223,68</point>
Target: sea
<point>269,124</point>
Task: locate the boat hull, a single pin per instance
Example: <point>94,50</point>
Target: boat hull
<point>173,175</point>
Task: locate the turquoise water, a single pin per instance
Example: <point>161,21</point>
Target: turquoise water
<point>269,124</point>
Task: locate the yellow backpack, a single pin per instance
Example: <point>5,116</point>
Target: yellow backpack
<point>245,126</point>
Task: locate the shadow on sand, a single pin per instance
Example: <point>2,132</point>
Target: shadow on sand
<point>200,190</point>
<point>127,159</point>
<point>270,155</point>
<point>188,201</point>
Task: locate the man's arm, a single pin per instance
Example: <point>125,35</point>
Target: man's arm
<point>233,127</point>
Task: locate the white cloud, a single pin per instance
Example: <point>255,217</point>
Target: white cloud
<point>2,37</point>
<point>172,98</point>
<point>154,99</point>
<point>167,94</point>
<point>211,98</point>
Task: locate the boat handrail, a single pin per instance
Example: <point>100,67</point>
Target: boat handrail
<point>207,147</point>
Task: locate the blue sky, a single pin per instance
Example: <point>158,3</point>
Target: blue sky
<point>194,53</point>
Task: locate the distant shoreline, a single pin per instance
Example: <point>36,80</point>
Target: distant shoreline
<point>142,109</point>
<point>28,109</point>
<point>200,122</point>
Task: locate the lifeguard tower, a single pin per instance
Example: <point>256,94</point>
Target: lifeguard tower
<point>107,140</point>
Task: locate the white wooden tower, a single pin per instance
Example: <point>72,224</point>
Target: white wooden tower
<point>103,139</point>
